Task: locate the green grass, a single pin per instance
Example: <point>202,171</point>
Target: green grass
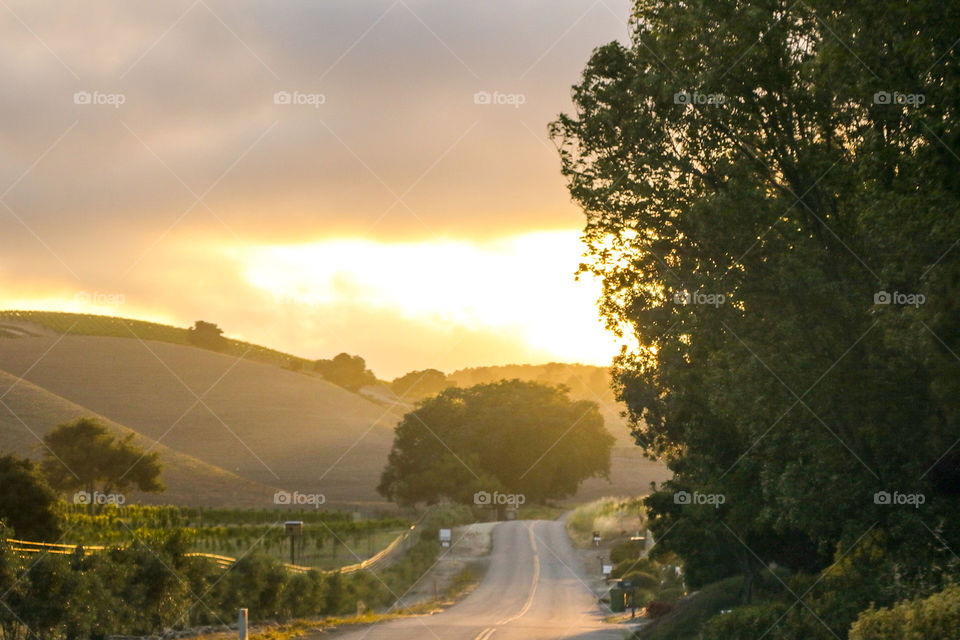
<point>330,539</point>
<point>611,517</point>
<point>539,512</point>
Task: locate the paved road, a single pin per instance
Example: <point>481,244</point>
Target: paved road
<point>533,590</point>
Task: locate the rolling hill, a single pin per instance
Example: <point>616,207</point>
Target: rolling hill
<point>261,422</point>
<point>234,426</point>
<point>27,412</point>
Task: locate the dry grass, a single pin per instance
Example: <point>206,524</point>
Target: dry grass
<point>189,481</point>
<point>261,422</point>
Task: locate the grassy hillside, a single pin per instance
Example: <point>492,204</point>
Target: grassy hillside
<point>80,324</point>
<point>28,412</point>
<point>261,422</point>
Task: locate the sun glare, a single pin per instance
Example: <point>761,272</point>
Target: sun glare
<point>523,284</point>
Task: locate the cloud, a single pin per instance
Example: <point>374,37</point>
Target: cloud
<point>105,198</point>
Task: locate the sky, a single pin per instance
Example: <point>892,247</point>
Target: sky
<point>340,175</point>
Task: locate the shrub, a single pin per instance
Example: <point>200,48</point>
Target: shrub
<point>658,609</point>
<point>935,617</point>
<point>626,550</point>
<point>742,623</point>
<point>630,565</point>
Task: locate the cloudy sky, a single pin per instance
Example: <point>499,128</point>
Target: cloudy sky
<point>317,176</point>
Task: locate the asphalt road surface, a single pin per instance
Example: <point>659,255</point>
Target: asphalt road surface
<point>534,589</point>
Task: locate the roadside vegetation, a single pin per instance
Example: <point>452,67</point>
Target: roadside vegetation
<point>152,584</point>
<point>330,539</point>
<point>610,517</point>
<point>773,219</point>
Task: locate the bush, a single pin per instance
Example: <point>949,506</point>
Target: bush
<point>687,616</point>
<point>935,617</point>
<point>626,550</point>
<point>658,609</point>
<point>743,623</point>
<point>630,565</point>
<point>643,580</point>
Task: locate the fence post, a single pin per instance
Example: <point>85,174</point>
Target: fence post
<point>242,625</point>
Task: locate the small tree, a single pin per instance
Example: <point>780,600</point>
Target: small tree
<point>207,335</point>
<point>84,456</point>
<point>27,501</point>
<point>417,385</point>
<point>349,372</point>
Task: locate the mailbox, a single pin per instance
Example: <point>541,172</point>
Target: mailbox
<point>293,527</point>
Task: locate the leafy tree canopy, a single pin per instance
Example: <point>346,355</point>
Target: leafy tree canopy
<point>509,436</point>
<point>771,200</point>
<point>83,456</point>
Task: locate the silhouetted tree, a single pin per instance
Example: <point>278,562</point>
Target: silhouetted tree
<point>420,384</point>
<point>750,204</point>
<point>84,456</point>
<point>207,335</point>
<point>349,372</point>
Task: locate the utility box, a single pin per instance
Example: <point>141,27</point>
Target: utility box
<point>618,599</point>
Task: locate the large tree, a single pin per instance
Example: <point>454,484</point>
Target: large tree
<point>755,175</point>
<point>509,436</point>
<point>83,456</point>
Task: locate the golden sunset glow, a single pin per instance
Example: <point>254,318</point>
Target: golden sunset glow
<point>521,284</point>
<point>385,209</point>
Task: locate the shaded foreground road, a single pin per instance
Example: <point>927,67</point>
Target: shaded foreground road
<point>532,591</point>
